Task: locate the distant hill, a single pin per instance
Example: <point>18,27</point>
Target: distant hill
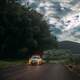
<point>73,46</point>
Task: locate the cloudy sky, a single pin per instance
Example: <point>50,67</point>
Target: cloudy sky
<point>63,16</point>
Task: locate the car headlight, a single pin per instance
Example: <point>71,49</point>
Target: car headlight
<point>40,60</point>
<point>29,60</point>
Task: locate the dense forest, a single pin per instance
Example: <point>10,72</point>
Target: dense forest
<point>22,30</point>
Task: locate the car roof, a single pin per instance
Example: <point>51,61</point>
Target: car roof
<point>35,56</point>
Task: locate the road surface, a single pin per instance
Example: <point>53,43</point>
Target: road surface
<point>42,72</point>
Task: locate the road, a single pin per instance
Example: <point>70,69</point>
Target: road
<point>42,72</point>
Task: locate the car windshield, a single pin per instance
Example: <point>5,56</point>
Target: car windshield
<point>35,57</point>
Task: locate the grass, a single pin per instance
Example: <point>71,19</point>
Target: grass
<point>9,63</point>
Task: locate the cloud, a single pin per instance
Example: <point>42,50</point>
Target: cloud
<point>69,37</point>
<point>74,2</point>
<point>63,17</point>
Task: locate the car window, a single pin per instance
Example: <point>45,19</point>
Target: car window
<point>37,57</point>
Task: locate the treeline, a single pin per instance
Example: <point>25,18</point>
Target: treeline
<point>22,29</point>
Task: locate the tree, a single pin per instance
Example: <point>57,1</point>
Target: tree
<point>22,27</point>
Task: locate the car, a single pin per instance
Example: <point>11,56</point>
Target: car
<point>36,59</point>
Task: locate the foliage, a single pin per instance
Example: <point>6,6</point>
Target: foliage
<point>76,59</point>
<point>58,54</point>
<point>22,27</point>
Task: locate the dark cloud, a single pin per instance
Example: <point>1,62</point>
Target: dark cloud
<point>74,2</point>
<point>77,29</point>
<point>56,31</point>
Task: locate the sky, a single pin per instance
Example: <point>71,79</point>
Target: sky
<point>63,16</point>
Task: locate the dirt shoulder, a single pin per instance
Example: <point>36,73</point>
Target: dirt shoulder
<point>74,68</point>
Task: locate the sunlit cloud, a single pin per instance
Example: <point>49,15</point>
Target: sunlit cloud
<point>63,16</point>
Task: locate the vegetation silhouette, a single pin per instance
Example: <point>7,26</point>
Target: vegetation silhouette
<point>22,30</point>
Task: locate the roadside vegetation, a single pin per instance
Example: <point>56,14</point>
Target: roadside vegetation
<point>57,55</point>
<point>7,63</point>
<point>74,64</point>
<point>22,30</point>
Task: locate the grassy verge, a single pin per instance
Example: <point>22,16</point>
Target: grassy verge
<point>9,63</point>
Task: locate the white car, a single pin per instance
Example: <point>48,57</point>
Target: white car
<point>36,59</point>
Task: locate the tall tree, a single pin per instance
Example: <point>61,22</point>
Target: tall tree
<point>23,27</point>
